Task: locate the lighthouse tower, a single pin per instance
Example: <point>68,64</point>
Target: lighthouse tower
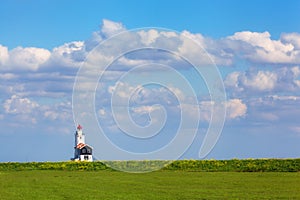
<point>83,152</point>
<point>79,136</point>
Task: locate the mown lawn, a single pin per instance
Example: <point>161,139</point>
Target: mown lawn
<point>55,184</point>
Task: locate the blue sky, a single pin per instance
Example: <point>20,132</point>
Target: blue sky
<point>51,23</point>
<point>255,44</point>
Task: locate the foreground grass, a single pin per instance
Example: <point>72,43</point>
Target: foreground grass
<point>106,184</point>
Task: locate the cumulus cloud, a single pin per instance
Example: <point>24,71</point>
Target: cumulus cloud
<point>4,56</point>
<point>124,94</point>
<point>235,108</point>
<point>8,76</point>
<point>148,37</point>
<point>273,108</point>
<point>277,97</point>
<point>19,109</point>
<point>263,80</point>
<point>145,109</point>
<point>22,109</point>
<point>283,79</point>
<point>110,28</point>
<point>19,58</point>
<point>262,49</point>
<point>70,54</point>
<point>254,46</point>
<point>262,40</point>
<point>29,74</point>
<point>19,105</point>
<point>144,114</point>
<point>143,100</point>
<point>258,81</point>
<point>57,112</point>
<point>107,29</point>
<point>291,38</point>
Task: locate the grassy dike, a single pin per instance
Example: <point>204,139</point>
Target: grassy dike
<point>235,165</point>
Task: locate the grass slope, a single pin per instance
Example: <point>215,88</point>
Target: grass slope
<point>54,184</point>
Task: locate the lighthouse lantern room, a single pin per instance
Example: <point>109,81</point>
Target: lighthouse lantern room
<point>83,151</point>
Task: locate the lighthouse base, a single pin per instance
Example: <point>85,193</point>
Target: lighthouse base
<point>88,158</point>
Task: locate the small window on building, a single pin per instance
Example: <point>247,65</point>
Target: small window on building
<point>89,151</point>
<point>86,157</point>
<point>83,150</point>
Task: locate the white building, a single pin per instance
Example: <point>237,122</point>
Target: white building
<point>83,152</point>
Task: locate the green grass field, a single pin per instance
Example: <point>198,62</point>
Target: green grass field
<point>165,184</point>
<point>183,179</point>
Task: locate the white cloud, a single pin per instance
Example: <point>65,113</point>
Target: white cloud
<point>145,109</point>
<point>276,97</point>
<point>41,73</point>
<point>130,62</point>
<point>19,58</point>
<point>193,48</point>
<point>262,80</point>
<point>124,93</point>
<point>262,40</point>
<point>107,29</point>
<point>262,49</point>
<point>254,46</point>
<point>102,112</point>
<point>148,37</point>
<point>51,115</point>
<point>124,90</point>
<point>258,81</point>
<point>265,111</point>
<point>68,48</point>
<point>291,38</point>
<point>232,79</point>
<point>3,55</point>
<point>296,71</point>
<point>19,105</point>
<point>110,28</point>
<point>169,34</point>
<point>235,108</point>
<point>70,54</point>
<point>205,110</point>
<point>8,76</point>
<point>19,109</point>
<point>280,80</point>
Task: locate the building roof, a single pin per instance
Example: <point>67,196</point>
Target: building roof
<point>81,145</point>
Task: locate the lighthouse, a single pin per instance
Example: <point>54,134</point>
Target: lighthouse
<point>83,151</point>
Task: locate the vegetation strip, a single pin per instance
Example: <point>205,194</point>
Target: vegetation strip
<point>234,165</point>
